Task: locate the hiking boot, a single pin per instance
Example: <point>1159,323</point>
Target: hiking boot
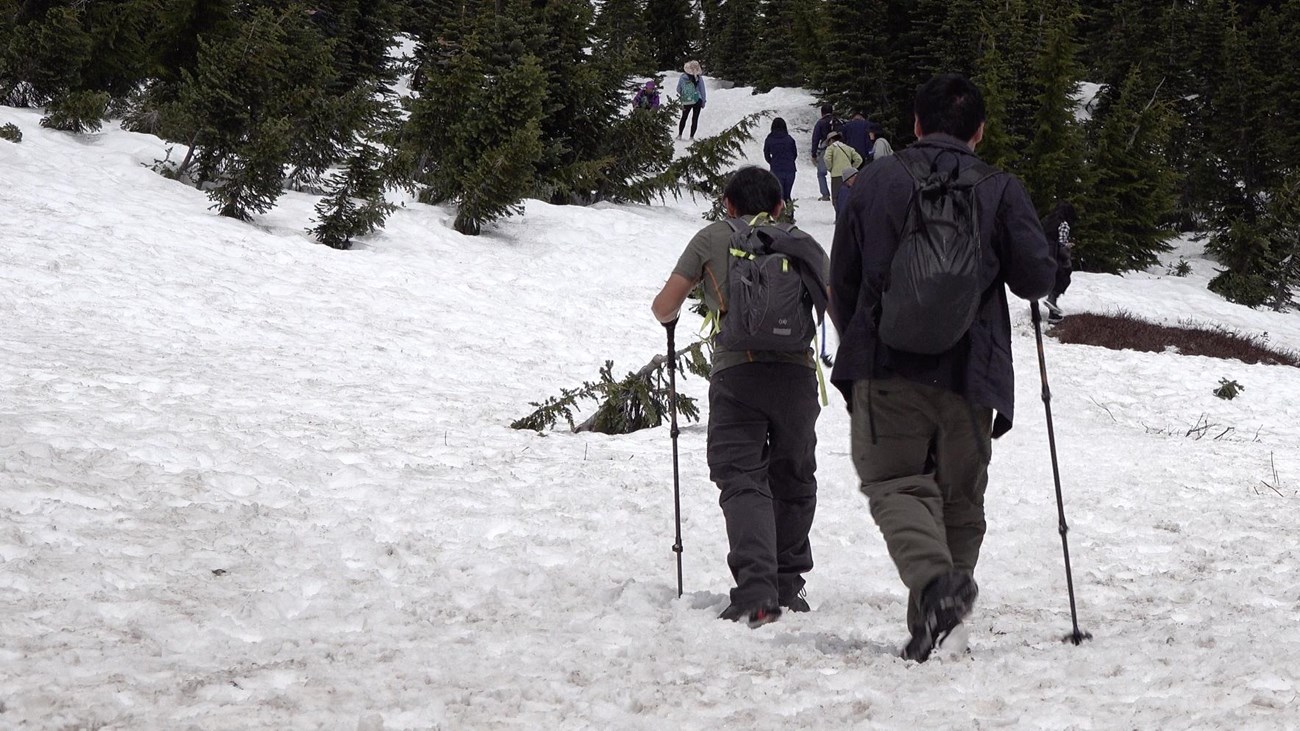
<point>1054,312</point>
<point>755,615</point>
<point>797,602</point>
<point>824,198</point>
<point>945,602</point>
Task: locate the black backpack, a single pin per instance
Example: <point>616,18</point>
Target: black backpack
<point>836,125</point>
<point>933,289</point>
<point>771,295</point>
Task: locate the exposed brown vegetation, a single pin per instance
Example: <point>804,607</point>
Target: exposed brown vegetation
<point>1122,331</point>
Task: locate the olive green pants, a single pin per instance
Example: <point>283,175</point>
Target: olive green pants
<point>922,455</point>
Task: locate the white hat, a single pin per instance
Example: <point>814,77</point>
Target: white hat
<point>693,68</point>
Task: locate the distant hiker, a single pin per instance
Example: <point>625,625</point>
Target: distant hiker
<point>824,126</point>
<point>763,401</point>
<point>647,97</point>
<point>880,147</point>
<point>690,90</point>
<point>841,160</point>
<point>1057,226</point>
<point>923,415</point>
<point>781,154</point>
<point>856,135</point>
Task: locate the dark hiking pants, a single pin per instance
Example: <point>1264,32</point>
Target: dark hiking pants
<point>761,451</point>
<point>693,111</point>
<point>922,455</point>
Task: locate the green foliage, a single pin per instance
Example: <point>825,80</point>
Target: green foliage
<point>786,44</point>
<point>731,32</point>
<point>475,130</point>
<point>517,107</point>
<point>1262,256</point>
<point>855,72</point>
<point>78,111</point>
<point>44,57</point>
<point>1053,164</point>
<point>671,25</point>
<point>640,400</point>
<point>259,101</point>
<point>636,148</point>
<point>1181,269</point>
<point>1001,145</point>
<point>354,204</point>
<point>11,132</point>
<point>1132,187</point>
<point>705,167</point>
<point>620,28</point>
<point>1228,390</point>
<point>181,23</point>
<point>251,176</point>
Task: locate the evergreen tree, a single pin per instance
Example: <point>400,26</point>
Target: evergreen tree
<point>731,29</point>
<point>1276,47</point>
<point>1132,192</point>
<point>782,37</point>
<point>476,127</point>
<point>1053,163</point>
<point>44,57</point>
<point>620,29</point>
<point>943,37</point>
<point>362,31</point>
<point>122,51</point>
<point>254,103</point>
<point>1001,145</point>
<point>672,24</point>
<point>354,204</point>
<point>856,71</point>
<point>1236,124</point>
<point>1012,29</point>
<point>77,111</point>
<point>181,23</point>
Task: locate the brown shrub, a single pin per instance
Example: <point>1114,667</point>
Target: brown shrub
<point>1122,331</point>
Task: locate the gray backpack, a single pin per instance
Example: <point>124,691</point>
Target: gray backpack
<point>771,295</point>
<point>933,289</point>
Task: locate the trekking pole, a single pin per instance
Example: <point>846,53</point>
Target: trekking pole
<point>672,410</point>
<point>1076,636</point>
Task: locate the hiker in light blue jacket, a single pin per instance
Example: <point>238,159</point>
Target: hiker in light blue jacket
<point>690,90</point>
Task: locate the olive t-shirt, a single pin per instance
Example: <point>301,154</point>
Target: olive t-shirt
<point>706,261</point>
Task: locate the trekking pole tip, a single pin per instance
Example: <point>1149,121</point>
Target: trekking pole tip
<point>1077,637</point>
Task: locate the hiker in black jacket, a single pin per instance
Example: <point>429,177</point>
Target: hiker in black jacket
<point>922,424</point>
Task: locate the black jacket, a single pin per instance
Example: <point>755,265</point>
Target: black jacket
<point>1016,254</point>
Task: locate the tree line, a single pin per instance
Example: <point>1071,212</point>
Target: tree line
<point>1193,126</point>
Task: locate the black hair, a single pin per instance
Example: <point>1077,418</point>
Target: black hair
<point>753,190</point>
<point>827,109</point>
<point>1063,213</point>
<point>951,104</point>
<point>778,125</point>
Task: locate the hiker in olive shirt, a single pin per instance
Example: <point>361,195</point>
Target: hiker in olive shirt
<point>763,409</point>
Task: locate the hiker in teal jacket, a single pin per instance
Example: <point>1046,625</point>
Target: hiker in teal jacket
<point>690,90</point>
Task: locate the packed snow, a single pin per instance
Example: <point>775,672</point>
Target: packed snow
<point>250,482</point>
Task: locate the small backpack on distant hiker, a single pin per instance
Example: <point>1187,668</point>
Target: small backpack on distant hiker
<point>690,94</point>
<point>774,288</point>
<point>933,290</point>
<point>836,125</point>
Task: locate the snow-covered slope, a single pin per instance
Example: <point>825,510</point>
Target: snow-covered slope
<point>249,482</point>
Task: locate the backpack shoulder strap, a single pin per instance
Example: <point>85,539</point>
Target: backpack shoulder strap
<point>740,246</point>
